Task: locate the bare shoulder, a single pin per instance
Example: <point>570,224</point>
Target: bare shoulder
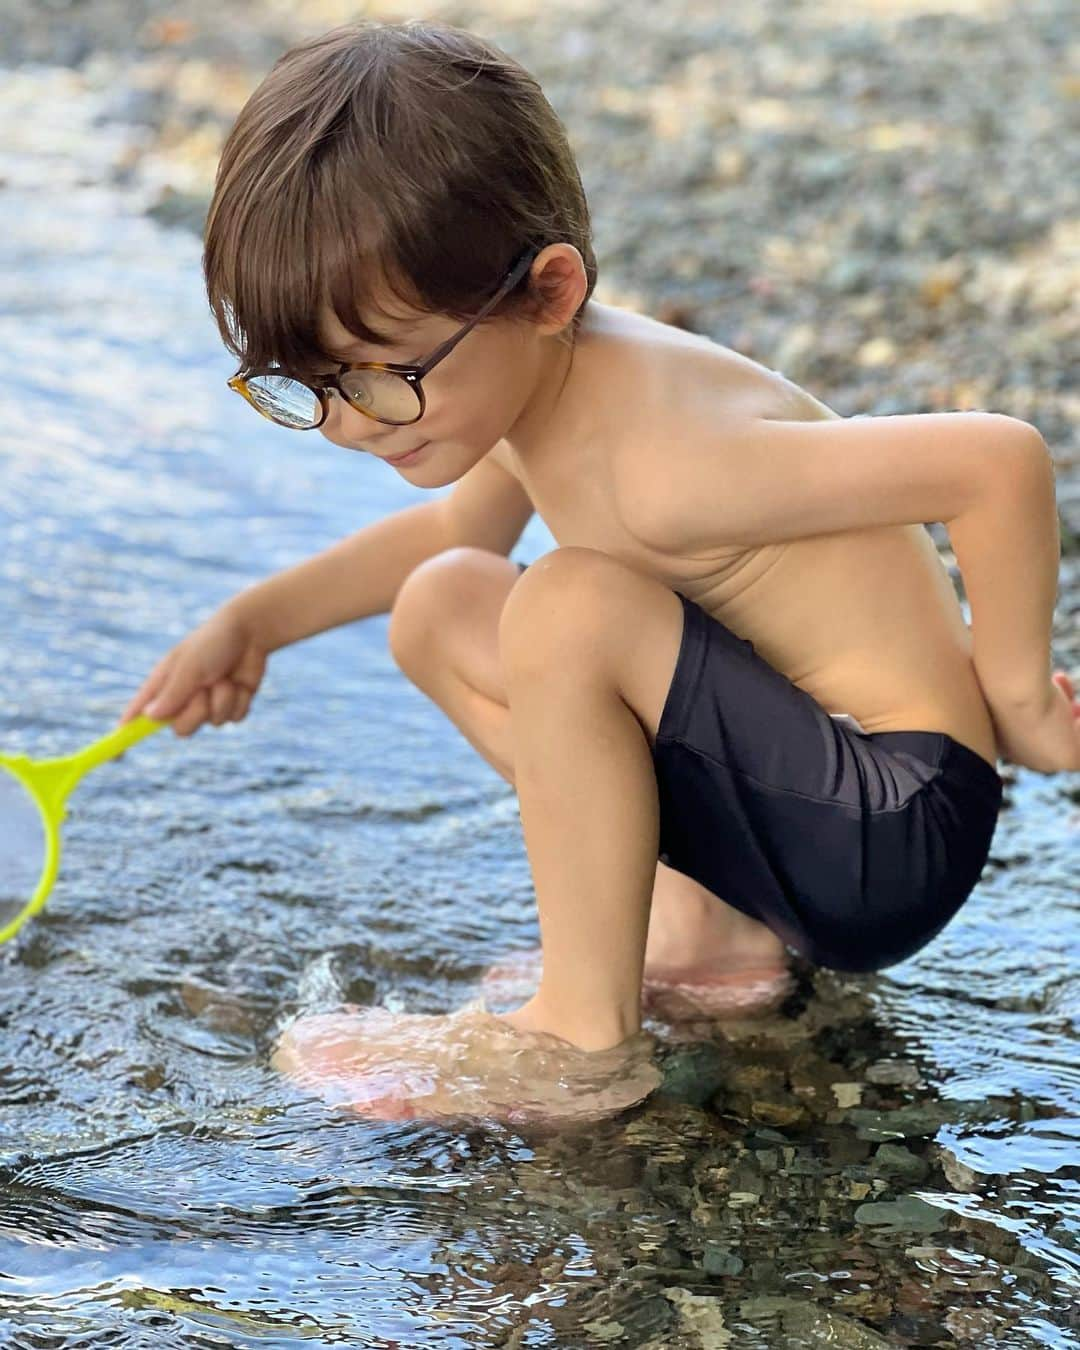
<point>752,478</point>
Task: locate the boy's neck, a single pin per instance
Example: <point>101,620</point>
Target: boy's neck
<point>550,410</point>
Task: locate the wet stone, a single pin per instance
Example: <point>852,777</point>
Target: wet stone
<point>701,1315</point>
<point>764,1138</point>
<point>959,1176</point>
<point>804,1164</point>
<point>694,1075</point>
<point>847,1094</point>
<point>907,1213</point>
<point>718,1259</point>
<point>893,1071</point>
<point>895,1161</point>
<point>784,1319</point>
<point>923,1118</point>
<point>605,1331</point>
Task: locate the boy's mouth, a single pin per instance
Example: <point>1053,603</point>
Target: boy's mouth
<point>407,454</point>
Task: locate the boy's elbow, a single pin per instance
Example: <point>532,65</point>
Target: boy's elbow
<point>1035,459</point>
<point>1030,440</point>
<point>1022,460</point>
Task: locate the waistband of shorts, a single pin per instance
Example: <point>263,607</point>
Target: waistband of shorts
<point>942,750</point>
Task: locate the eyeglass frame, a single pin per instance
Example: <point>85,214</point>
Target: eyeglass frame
<point>411,374</point>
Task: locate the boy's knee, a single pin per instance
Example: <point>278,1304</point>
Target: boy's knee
<point>559,606</point>
<point>430,597</point>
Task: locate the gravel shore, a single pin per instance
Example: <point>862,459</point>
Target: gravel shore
<point>880,199</point>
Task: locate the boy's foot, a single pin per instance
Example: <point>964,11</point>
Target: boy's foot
<point>674,994</point>
<point>465,1065</point>
<point>703,959</point>
<point>692,995</point>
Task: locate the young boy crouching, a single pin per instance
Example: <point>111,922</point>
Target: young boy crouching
<point>739,702</point>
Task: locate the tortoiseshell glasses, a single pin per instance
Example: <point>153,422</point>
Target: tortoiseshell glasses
<point>384,392</point>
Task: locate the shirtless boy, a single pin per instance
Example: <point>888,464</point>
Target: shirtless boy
<point>737,564</point>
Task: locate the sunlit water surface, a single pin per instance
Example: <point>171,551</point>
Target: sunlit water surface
<point>889,1160</point>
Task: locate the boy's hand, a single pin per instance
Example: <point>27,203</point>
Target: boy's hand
<point>1045,738</point>
<point>212,675</point>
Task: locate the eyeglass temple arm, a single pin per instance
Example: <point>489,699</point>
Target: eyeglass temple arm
<point>512,278</point>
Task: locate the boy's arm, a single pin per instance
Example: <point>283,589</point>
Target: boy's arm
<point>1008,549</point>
<point>360,575</point>
<point>988,477</point>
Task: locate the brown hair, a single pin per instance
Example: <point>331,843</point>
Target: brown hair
<point>416,157</point>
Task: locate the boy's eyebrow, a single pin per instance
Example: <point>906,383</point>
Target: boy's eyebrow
<point>398,339</point>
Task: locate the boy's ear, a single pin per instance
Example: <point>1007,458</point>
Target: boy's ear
<point>558,284</point>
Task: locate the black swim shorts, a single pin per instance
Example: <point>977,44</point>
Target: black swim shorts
<point>856,848</point>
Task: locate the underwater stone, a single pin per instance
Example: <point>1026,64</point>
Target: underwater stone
<point>605,1331</point>
<point>695,1075</point>
<point>916,1119</point>
<point>907,1213</point>
<point>812,1324</point>
<point>892,1071</point>
<point>778,1112</point>
<point>718,1259</point>
<point>702,1315</point>
<point>893,1160</point>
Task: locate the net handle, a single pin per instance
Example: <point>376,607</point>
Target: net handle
<point>52,780</point>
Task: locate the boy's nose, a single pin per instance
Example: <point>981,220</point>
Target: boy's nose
<point>347,425</point>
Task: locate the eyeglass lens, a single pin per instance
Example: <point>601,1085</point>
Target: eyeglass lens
<point>293,404</point>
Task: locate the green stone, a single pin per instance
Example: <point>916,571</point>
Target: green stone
<point>907,1213</point>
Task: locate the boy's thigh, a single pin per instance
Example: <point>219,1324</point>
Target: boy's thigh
<point>448,609</point>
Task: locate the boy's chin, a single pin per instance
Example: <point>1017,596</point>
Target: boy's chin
<point>468,1065</point>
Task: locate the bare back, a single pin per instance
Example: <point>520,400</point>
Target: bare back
<point>866,621</point>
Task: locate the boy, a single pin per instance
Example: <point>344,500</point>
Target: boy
<point>739,697</point>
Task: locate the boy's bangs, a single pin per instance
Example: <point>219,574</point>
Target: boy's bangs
<point>361,279</point>
<point>305,261</point>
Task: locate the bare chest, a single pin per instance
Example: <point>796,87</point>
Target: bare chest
<point>570,481</point>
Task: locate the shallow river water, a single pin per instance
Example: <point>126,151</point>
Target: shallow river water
<point>887,1161</point>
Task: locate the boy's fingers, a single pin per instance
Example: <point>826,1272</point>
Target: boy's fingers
<point>221,702</point>
<point>145,691</point>
<point>192,715</point>
<point>177,690</point>
<point>243,703</point>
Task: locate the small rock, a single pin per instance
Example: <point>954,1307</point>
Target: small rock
<point>907,1213</point>
<point>717,1259</point>
<point>601,1330</point>
<point>702,1315</point>
<point>959,1176</point>
<point>893,1160</point>
<point>893,1071</point>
